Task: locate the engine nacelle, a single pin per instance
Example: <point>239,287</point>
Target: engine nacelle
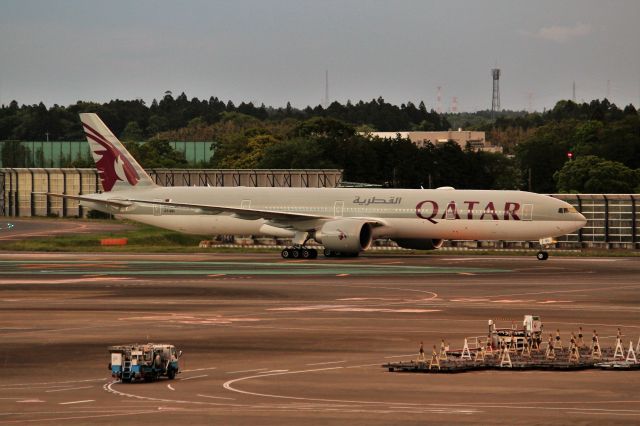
<point>345,235</point>
<point>419,244</point>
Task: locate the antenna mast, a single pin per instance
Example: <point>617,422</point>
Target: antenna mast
<point>495,99</point>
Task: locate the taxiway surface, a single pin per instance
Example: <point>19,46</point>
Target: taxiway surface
<point>268,341</point>
<point>16,229</point>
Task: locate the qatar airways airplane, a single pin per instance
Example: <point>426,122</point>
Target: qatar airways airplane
<point>344,220</point>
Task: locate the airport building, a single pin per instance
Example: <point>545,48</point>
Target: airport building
<point>613,219</point>
<point>476,140</point>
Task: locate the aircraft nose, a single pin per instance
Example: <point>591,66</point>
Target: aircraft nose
<point>583,220</point>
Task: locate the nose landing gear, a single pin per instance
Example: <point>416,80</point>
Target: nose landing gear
<point>542,255</point>
<point>544,243</point>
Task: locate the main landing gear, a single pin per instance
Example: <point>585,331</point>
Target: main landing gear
<point>299,252</point>
<point>302,252</point>
<point>542,255</point>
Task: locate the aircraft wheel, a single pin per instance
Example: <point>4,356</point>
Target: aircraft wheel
<point>295,253</point>
<point>305,253</point>
<point>328,253</point>
<point>285,254</point>
<point>542,255</point>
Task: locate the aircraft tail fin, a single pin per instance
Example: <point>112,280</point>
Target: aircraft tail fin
<point>118,170</point>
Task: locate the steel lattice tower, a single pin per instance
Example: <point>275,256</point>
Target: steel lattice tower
<point>495,100</point>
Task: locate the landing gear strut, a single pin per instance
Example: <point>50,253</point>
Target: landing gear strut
<point>299,252</point>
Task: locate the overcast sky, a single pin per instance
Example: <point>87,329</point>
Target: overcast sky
<point>277,51</point>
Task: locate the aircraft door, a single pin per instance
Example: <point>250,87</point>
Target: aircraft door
<point>245,204</point>
<point>157,209</point>
<point>527,212</point>
<point>338,208</point>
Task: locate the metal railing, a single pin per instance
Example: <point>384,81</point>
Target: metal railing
<point>612,219</point>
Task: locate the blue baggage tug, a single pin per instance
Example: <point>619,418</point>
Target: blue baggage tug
<point>148,362</point>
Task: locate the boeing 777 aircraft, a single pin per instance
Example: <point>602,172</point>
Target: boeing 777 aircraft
<point>344,220</point>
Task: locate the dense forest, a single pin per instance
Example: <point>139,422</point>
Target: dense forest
<point>604,140</point>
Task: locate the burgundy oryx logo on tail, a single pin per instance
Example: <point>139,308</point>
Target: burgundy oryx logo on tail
<point>112,165</point>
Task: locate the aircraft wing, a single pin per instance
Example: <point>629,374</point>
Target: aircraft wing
<point>108,202</point>
<point>277,218</point>
<point>242,213</point>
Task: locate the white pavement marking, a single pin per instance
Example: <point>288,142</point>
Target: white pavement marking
<point>76,402</point>
<point>215,397</point>
<point>326,363</point>
<point>596,260</point>
<point>108,388</point>
<point>199,369</point>
<point>67,389</point>
<point>194,377</point>
<point>464,408</point>
<point>54,383</point>
<point>398,356</point>
<point>606,414</point>
<point>31,400</point>
<point>363,365</point>
<point>228,384</point>
<point>568,291</point>
<point>130,413</point>
<point>247,371</point>
<point>170,387</point>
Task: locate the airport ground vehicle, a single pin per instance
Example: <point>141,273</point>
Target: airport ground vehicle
<point>531,331</point>
<point>148,361</point>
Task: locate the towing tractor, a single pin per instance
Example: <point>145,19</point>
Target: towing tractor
<point>148,361</point>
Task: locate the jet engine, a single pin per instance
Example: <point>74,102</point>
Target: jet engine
<point>345,235</point>
<point>419,244</point>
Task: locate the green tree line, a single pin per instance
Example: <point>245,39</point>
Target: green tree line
<point>603,139</point>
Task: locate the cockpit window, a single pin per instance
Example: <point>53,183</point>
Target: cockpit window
<point>569,209</point>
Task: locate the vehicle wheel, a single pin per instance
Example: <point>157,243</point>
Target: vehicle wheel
<point>285,254</point>
<point>306,254</point>
<point>295,253</point>
<point>328,253</point>
<point>314,253</point>
<point>542,255</point>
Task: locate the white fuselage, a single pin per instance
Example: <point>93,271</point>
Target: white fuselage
<point>401,213</point>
